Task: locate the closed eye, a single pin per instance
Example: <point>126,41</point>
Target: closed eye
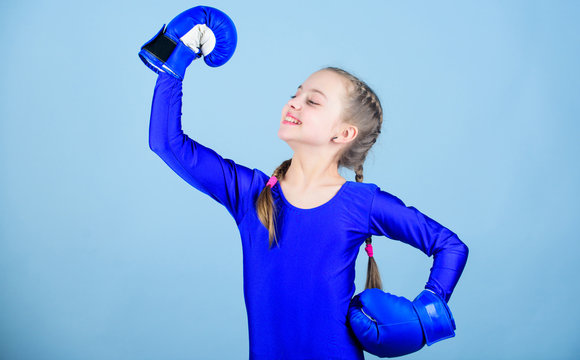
<point>309,101</point>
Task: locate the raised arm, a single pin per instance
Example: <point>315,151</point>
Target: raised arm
<point>390,217</point>
<point>203,168</point>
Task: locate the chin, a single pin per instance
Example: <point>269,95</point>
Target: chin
<point>282,135</point>
<point>287,139</point>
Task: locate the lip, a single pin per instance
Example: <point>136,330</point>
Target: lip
<point>293,117</point>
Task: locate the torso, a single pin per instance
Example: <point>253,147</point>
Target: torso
<point>311,198</point>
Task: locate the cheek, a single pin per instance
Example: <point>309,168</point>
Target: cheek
<point>328,120</point>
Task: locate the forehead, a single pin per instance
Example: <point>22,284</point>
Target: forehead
<point>328,82</point>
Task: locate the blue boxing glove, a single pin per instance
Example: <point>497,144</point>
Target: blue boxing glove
<point>201,30</point>
<point>388,326</point>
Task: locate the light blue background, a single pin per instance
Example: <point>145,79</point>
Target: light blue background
<point>105,253</point>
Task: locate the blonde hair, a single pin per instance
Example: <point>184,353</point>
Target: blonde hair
<point>363,110</point>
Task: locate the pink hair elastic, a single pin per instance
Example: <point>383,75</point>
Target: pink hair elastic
<point>369,250</point>
<point>272,181</point>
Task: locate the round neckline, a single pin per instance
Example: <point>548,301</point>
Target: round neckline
<point>314,208</point>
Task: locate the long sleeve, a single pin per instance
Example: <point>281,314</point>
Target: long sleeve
<point>390,217</point>
<point>204,169</point>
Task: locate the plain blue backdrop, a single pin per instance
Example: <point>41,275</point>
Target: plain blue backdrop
<point>105,253</point>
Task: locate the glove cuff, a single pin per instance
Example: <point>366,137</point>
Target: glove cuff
<point>156,51</point>
<point>165,54</point>
<point>435,317</point>
<point>180,59</point>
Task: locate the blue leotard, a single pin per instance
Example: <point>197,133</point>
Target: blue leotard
<point>297,294</point>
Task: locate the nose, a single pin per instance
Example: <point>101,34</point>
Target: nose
<point>294,103</point>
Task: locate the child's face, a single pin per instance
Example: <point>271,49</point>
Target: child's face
<point>318,105</point>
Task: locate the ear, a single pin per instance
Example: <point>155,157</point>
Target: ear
<point>347,134</point>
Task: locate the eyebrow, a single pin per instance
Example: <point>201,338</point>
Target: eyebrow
<point>315,90</point>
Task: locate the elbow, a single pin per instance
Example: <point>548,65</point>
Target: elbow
<point>157,145</point>
<point>159,150</point>
<point>154,147</point>
<point>454,244</point>
<point>464,249</point>
<point>462,252</point>
<point>455,248</point>
<point>460,249</point>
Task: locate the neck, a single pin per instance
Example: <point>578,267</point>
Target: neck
<point>311,171</point>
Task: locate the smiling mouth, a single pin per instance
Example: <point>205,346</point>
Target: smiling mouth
<point>290,119</point>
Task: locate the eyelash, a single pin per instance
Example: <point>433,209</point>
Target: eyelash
<point>310,101</point>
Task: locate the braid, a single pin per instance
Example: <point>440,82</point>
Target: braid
<point>366,112</point>
<point>265,206</point>
<point>359,173</point>
<point>373,275</point>
<point>280,171</point>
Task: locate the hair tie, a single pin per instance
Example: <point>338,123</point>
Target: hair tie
<point>272,181</point>
<point>369,250</point>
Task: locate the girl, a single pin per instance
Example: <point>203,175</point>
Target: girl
<point>302,227</point>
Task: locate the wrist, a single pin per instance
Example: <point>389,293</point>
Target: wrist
<point>435,317</point>
<point>181,57</point>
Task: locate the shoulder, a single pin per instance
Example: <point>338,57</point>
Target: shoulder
<point>359,195</point>
<point>362,189</point>
<point>373,195</point>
